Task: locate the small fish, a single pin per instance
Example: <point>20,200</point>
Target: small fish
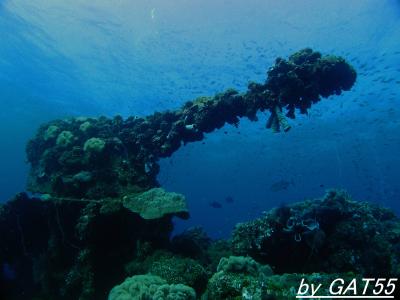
<point>215,204</point>
<point>280,185</point>
<point>152,13</point>
<point>229,199</point>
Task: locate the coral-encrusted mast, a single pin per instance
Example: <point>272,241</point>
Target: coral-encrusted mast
<point>96,158</point>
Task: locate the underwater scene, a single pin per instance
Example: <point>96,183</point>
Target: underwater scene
<point>189,149</point>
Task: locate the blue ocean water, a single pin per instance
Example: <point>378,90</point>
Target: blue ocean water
<point>75,58</point>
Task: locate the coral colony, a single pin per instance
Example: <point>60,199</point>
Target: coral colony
<point>101,227</point>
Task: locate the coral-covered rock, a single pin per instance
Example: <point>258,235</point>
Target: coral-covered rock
<point>238,277</point>
<point>334,234</point>
<point>243,278</point>
<point>175,269</point>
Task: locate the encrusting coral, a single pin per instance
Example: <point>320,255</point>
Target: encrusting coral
<point>94,145</point>
<point>156,203</point>
<point>238,277</point>
<point>64,139</point>
<point>151,287</point>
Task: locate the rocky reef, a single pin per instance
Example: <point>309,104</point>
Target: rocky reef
<point>57,253</point>
<point>333,234</point>
<point>317,240</point>
<point>101,216</point>
<point>72,249</point>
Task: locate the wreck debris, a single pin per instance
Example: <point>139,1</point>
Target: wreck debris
<point>97,175</point>
<point>120,157</point>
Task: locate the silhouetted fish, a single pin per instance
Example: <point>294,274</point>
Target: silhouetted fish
<point>215,204</point>
<point>280,185</point>
<point>229,199</point>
